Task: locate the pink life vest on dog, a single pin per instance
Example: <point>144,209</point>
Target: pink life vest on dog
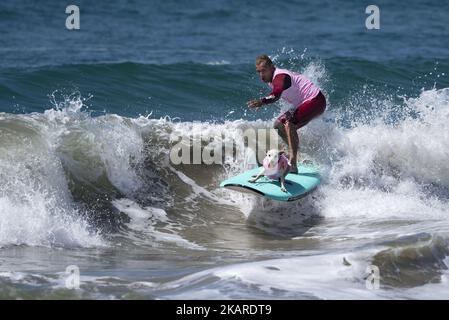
<point>301,89</point>
<point>275,172</point>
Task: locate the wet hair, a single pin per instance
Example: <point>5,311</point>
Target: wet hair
<point>264,59</point>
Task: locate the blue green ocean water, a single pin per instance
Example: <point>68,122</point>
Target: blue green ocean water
<point>86,124</point>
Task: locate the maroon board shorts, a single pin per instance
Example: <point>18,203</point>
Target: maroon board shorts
<point>305,112</point>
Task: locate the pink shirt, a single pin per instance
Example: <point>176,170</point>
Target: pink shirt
<point>300,90</point>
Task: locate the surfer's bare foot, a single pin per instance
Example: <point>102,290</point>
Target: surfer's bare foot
<point>292,162</point>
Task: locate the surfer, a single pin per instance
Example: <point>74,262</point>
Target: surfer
<point>307,99</point>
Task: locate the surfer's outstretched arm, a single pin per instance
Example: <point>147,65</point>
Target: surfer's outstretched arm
<point>280,83</point>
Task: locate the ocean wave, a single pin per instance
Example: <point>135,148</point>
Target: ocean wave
<point>398,167</point>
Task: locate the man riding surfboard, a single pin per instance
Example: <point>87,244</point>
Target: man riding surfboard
<point>298,90</point>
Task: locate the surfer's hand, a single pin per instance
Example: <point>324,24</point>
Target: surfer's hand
<point>254,104</point>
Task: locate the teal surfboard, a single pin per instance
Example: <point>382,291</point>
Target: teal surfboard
<point>297,185</point>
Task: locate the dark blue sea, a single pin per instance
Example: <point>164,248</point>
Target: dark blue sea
<point>89,118</point>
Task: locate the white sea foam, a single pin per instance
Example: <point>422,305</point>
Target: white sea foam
<point>145,219</point>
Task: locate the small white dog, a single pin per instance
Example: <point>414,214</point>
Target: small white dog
<point>275,166</point>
